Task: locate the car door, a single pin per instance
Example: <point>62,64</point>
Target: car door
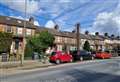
<point>63,57</point>
<point>68,57</point>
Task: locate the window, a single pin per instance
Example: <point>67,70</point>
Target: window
<point>59,39</point>
<point>73,41</point>
<point>1,29</point>
<point>8,29</point>
<point>59,47</point>
<point>53,53</point>
<point>28,31</point>
<point>19,30</point>
<point>65,40</point>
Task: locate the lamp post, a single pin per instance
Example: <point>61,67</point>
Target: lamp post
<point>24,41</point>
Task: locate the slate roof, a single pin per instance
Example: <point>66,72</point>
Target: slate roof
<point>20,23</point>
<point>69,34</point>
<point>15,22</point>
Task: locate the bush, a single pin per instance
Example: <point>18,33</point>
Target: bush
<point>5,41</point>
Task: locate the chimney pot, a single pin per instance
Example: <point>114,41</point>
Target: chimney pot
<point>31,20</point>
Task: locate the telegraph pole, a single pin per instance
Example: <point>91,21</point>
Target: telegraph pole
<point>24,42</point>
<point>78,36</point>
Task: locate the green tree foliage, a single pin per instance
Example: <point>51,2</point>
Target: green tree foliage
<point>86,46</point>
<point>40,42</point>
<point>28,50</point>
<point>5,41</point>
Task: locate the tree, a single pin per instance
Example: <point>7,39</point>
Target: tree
<point>86,46</point>
<point>42,41</point>
<point>5,41</point>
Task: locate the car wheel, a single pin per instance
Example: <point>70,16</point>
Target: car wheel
<point>81,58</point>
<point>93,58</point>
<point>57,61</point>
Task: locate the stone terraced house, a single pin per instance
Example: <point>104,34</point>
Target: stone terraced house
<point>63,39</point>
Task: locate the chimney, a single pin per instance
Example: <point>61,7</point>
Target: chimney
<point>73,31</point>
<point>106,34</point>
<point>56,27</point>
<point>31,20</point>
<point>112,35</point>
<point>118,37</point>
<point>97,33</point>
<point>86,32</point>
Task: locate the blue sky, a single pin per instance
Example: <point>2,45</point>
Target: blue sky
<point>93,15</point>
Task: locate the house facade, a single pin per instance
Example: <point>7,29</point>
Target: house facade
<point>68,40</point>
<point>63,40</point>
<point>20,29</point>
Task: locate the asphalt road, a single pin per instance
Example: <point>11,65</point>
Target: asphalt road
<point>93,71</point>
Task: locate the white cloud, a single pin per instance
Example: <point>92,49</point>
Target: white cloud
<point>36,23</point>
<point>50,24</point>
<point>107,22</point>
<point>31,7</point>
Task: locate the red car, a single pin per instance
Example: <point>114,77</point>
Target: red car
<point>58,57</point>
<point>103,55</point>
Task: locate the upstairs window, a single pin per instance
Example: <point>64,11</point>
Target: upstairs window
<point>19,31</point>
<point>28,31</point>
<point>8,29</point>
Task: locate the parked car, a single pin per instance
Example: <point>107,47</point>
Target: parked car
<point>113,52</point>
<point>81,55</point>
<point>103,55</point>
<point>59,57</point>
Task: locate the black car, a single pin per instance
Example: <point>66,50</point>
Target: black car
<point>81,55</point>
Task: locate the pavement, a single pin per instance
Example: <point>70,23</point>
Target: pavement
<point>107,70</point>
<point>26,63</point>
<point>14,67</point>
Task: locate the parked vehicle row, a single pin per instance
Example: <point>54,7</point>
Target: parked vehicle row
<point>59,57</point>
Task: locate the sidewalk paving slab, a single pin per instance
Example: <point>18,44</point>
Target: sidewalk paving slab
<point>28,65</point>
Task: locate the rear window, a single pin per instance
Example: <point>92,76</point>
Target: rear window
<point>83,52</point>
<point>53,53</point>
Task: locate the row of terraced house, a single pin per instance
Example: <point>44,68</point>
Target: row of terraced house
<point>62,38</point>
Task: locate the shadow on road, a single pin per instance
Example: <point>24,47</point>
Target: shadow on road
<point>90,76</point>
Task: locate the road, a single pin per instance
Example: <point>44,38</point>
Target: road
<point>93,71</point>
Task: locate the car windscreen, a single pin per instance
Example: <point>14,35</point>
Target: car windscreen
<point>84,53</point>
<point>53,53</point>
